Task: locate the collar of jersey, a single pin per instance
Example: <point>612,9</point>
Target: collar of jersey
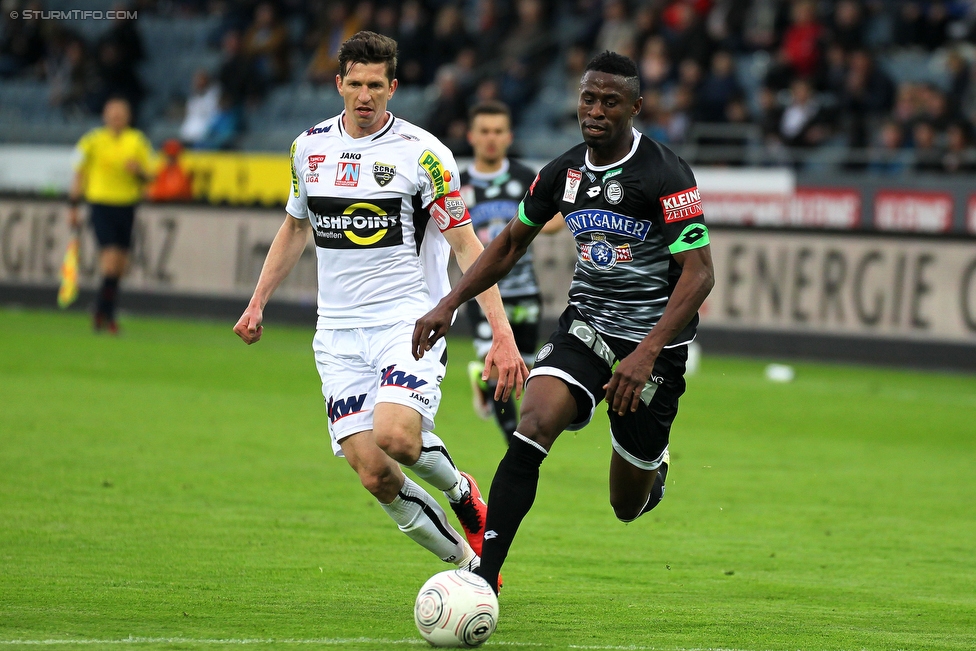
<point>604,168</point>
<point>376,136</point>
<point>489,176</point>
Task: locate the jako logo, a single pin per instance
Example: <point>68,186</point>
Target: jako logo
<point>344,406</point>
<point>347,156</point>
<point>394,378</point>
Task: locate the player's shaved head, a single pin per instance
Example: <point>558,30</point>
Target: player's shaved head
<point>617,65</point>
<point>368,47</point>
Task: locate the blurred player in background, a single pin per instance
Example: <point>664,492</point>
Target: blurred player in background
<point>380,198</point>
<point>644,269</point>
<point>112,167</point>
<point>492,187</point>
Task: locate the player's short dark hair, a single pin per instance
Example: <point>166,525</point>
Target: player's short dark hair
<point>489,107</point>
<point>619,65</point>
<point>368,47</point>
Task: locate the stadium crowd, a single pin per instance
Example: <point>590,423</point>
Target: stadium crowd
<point>888,84</point>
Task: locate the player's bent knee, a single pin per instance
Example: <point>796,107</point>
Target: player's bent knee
<point>627,511</point>
<point>383,483</point>
<point>539,427</point>
<point>400,444</point>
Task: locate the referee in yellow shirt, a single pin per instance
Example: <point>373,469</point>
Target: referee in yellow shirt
<point>112,166</point>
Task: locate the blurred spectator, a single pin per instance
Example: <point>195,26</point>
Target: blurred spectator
<point>653,118</point>
<point>202,107</point>
<point>889,157</point>
<point>935,106</point>
<point>449,109</point>
<point>799,52</point>
<point>685,34</point>
<point>654,64</point>
<point>934,26</point>
<point>336,25</point>
<point>525,53</point>
<point>491,25</point>
<point>802,123</point>
<point>238,81</point>
<point>172,182</point>
<point>116,77</point>
<point>71,76</point>
<point>847,26</point>
<point>770,116</point>
<point>908,25</point>
<point>959,78</point>
<point>618,32</point>
<point>647,23</point>
<point>226,126</point>
<point>125,37</point>
<point>448,38</point>
<point>867,94</point>
<point>679,114</point>
<point>762,24</point>
<point>928,157</point>
<point>266,44</point>
<point>21,45</point>
<point>959,157</point>
<point>412,42</point>
<point>386,21</point>
<point>726,23</point>
<point>718,89</point>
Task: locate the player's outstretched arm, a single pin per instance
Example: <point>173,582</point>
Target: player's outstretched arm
<point>284,253</point>
<point>696,281</point>
<point>504,353</point>
<point>490,267</point>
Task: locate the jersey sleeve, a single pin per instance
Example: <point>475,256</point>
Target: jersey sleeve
<point>438,172</point>
<point>144,154</point>
<point>82,155</point>
<point>297,205</point>
<point>538,205</point>
<point>681,210</point>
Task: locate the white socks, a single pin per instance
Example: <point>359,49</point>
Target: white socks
<point>420,517</point>
<point>436,468</point>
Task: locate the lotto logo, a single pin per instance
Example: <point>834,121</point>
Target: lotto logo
<point>681,205</point>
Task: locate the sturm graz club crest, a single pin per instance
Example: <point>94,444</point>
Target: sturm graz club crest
<point>383,173</point>
<point>603,254</point>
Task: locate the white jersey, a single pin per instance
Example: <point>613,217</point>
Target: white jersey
<point>381,258</point>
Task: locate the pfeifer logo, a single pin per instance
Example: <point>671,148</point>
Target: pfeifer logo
<point>681,205</point>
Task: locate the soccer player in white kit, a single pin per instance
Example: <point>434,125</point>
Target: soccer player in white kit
<point>380,198</point>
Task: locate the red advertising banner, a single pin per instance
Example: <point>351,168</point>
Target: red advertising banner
<point>915,211</point>
<point>838,208</point>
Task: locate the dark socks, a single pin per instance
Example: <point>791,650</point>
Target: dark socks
<point>657,490</point>
<point>106,298</point>
<point>509,500</point>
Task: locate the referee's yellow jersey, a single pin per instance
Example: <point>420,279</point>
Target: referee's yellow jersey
<point>101,156</point>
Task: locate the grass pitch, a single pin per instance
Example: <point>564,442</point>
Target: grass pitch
<point>175,489</point>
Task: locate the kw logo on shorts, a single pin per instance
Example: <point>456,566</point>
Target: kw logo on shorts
<point>340,223</point>
<point>394,378</point>
<point>344,406</point>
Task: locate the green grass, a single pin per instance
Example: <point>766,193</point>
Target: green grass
<point>176,486</point>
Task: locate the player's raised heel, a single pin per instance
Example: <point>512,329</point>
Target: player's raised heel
<point>657,490</point>
<point>471,512</point>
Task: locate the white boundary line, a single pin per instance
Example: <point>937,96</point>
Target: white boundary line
<point>328,642</point>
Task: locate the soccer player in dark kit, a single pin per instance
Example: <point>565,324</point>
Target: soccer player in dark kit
<point>644,268</point>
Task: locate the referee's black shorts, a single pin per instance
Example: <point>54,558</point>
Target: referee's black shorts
<point>639,437</point>
<point>112,224</point>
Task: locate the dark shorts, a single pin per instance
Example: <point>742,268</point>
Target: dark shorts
<point>523,315</point>
<point>112,224</point>
<point>639,437</point>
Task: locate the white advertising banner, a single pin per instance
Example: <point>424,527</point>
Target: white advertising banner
<point>864,285</point>
<point>185,250</point>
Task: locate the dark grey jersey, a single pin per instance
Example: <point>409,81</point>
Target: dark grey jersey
<point>628,219</point>
<point>493,201</point>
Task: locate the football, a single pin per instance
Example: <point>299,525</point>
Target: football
<point>456,608</point>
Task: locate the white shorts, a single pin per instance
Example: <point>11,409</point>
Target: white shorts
<point>362,366</point>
